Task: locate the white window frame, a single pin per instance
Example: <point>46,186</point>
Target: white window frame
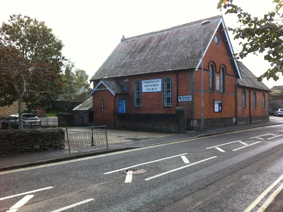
<point>138,93</point>
<point>167,98</point>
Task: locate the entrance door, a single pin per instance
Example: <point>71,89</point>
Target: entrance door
<point>122,106</point>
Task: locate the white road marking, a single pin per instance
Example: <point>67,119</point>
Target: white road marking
<point>73,205</point>
<point>173,142</point>
<point>29,192</point>
<point>263,194</point>
<point>185,159</point>
<point>270,199</point>
<point>129,176</point>
<point>243,143</point>
<point>275,136</point>
<point>246,146</point>
<point>180,168</point>
<point>154,161</point>
<point>259,137</point>
<point>232,142</point>
<point>20,203</point>
<point>219,149</point>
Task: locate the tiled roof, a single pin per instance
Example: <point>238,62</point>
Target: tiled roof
<point>176,48</point>
<point>249,79</point>
<point>115,87</point>
<point>278,87</point>
<point>86,105</point>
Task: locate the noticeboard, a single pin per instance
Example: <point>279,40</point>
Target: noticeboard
<point>217,106</point>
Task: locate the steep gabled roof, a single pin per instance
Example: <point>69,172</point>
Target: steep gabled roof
<point>277,87</point>
<point>249,79</point>
<point>114,87</point>
<point>86,105</point>
<point>176,48</point>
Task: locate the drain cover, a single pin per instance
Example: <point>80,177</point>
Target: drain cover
<point>136,171</point>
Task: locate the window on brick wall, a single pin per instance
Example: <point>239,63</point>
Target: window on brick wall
<point>211,76</point>
<point>167,92</point>
<point>222,78</point>
<point>138,92</point>
<point>263,100</point>
<point>254,99</point>
<point>244,99</point>
<point>102,105</point>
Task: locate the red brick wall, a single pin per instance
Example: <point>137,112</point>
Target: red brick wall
<point>259,110</point>
<point>218,54</point>
<point>106,117</point>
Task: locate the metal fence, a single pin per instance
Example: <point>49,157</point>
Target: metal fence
<point>80,138</point>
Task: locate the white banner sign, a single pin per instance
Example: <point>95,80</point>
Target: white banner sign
<point>153,85</point>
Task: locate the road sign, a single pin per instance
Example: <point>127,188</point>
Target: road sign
<point>187,98</point>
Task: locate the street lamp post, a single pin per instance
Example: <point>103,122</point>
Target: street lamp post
<point>202,24</point>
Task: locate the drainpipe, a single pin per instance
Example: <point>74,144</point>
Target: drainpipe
<point>250,106</point>
<point>114,112</point>
<point>177,88</point>
<point>236,102</point>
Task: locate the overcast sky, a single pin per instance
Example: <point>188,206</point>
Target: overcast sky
<point>91,29</point>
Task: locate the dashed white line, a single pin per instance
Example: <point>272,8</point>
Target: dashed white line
<point>185,159</point>
<point>246,146</point>
<point>180,168</point>
<point>221,150</point>
<point>275,136</point>
<point>154,161</point>
<point>129,176</point>
<point>20,203</point>
<point>73,205</point>
<point>29,192</point>
<point>259,137</point>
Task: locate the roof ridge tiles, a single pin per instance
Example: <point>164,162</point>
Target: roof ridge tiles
<point>171,28</point>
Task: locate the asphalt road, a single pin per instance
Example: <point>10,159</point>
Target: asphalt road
<point>240,171</point>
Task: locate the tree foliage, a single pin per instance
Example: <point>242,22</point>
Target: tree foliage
<point>75,81</point>
<point>30,61</point>
<point>259,35</point>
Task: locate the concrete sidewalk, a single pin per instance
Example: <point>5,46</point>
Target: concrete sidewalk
<point>120,140</point>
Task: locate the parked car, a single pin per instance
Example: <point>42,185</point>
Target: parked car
<point>27,119</point>
<point>279,112</point>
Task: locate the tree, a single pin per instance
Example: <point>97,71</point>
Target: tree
<point>30,62</point>
<point>259,35</point>
<point>75,81</point>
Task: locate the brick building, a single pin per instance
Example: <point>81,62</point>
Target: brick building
<point>141,81</point>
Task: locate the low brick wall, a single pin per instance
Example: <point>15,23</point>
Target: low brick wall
<point>20,141</point>
<point>253,119</point>
<point>157,122</point>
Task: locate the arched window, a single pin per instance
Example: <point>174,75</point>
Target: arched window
<point>263,100</point>
<point>102,105</point>
<point>211,76</point>
<point>138,95</point>
<point>222,78</point>
<point>254,99</point>
<point>167,92</point>
<point>244,99</point>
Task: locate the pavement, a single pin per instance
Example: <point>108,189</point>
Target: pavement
<point>120,140</point>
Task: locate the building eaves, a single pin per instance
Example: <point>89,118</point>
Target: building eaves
<point>249,79</point>
<point>114,87</point>
<point>86,105</point>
